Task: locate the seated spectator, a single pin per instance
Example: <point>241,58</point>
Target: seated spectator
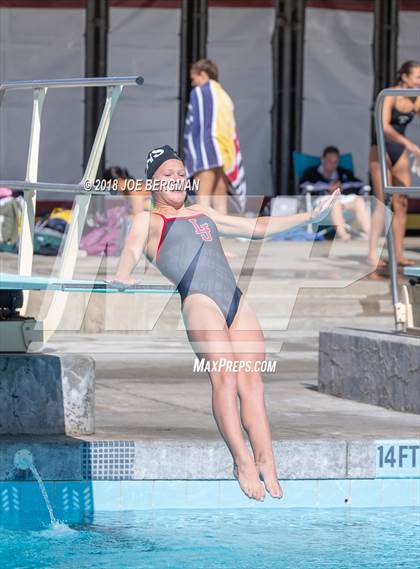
<point>328,176</point>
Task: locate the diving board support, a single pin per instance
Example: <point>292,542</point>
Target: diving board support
<point>400,308</point>
<point>79,213</point>
<point>26,240</point>
<point>42,330</point>
<point>411,300</point>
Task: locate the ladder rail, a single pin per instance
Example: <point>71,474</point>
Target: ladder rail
<point>389,191</point>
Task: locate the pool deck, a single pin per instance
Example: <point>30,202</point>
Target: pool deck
<point>148,394</point>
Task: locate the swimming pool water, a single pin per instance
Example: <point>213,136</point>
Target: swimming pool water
<point>211,539</point>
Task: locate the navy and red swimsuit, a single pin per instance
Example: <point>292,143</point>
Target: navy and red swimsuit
<point>191,256</point>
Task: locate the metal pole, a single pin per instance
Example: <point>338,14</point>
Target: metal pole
<point>96,39</point>
<point>285,121</point>
<point>298,66</point>
<point>385,39</point>
<point>202,28</point>
<point>286,112</point>
<point>183,74</point>
<point>275,49</point>
<point>392,262</point>
<point>393,31</point>
<point>193,46</point>
<point>388,215</point>
<point>388,192</point>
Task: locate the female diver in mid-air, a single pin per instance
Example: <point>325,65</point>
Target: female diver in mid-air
<point>183,242</point>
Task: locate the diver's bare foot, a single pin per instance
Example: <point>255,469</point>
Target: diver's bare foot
<point>249,480</point>
<point>268,472</point>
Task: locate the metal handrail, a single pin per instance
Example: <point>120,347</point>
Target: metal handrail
<point>75,82</point>
<point>380,136</point>
<point>24,186</point>
<point>40,90</point>
<point>413,191</point>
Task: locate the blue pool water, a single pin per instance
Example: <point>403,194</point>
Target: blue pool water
<point>212,539</point>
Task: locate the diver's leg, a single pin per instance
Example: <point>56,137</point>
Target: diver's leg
<point>247,340</point>
<point>208,335</point>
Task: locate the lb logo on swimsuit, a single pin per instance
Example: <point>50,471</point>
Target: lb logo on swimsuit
<point>202,230</point>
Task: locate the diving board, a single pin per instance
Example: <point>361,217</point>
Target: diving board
<point>413,272</point>
<point>18,332</point>
<point>10,281</point>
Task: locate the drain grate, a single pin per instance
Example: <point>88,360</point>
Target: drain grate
<point>108,460</point>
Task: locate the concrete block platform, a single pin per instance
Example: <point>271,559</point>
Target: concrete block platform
<point>46,394</point>
<point>376,367</point>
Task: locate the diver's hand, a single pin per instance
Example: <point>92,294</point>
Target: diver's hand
<point>324,206</point>
<point>121,281</point>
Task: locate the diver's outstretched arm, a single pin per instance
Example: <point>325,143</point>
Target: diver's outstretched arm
<point>261,227</point>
